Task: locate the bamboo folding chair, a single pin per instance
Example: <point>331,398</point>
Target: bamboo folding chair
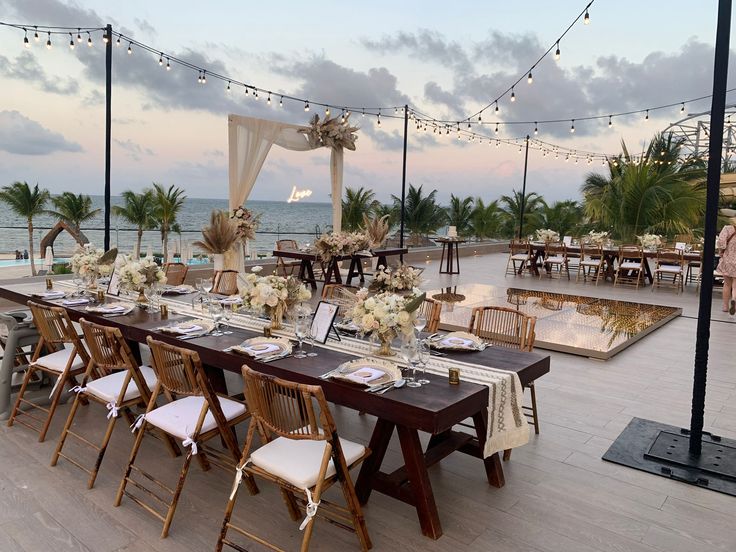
<point>301,453</point>
<point>176,273</point>
<point>591,259</point>
<point>520,253</point>
<point>630,268</point>
<point>286,268</point>
<point>555,256</point>
<point>114,380</point>
<point>431,310</point>
<point>196,417</point>
<point>225,282</point>
<point>341,295</point>
<point>506,327</point>
<point>66,358</point>
<point>669,263</point>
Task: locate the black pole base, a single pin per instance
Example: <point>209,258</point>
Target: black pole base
<point>663,450</point>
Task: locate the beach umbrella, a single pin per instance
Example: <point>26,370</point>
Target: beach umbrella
<point>48,260</point>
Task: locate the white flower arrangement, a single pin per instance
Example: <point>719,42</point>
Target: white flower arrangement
<point>246,221</point>
<point>136,274</point>
<point>341,243</point>
<point>650,241</point>
<point>404,278</point>
<point>86,262</point>
<point>272,294</point>
<point>385,313</point>
<point>546,235</point>
<point>597,238</point>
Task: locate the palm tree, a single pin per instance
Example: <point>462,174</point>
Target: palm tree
<point>356,203</point>
<point>422,214</point>
<point>658,192</point>
<point>28,203</point>
<point>564,217</point>
<point>138,210</point>
<point>459,214</point>
<point>73,209</point>
<point>511,207</point>
<point>167,204</point>
<point>485,220</point>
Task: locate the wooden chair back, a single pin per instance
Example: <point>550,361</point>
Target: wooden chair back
<point>283,245</point>
<point>56,330</point>
<point>517,246</point>
<point>555,249</point>
<point>431,310</point>
<point>176,273</point>
<point>591,252</point>
<point>179,370</point>
<point>341,295</point>
<point>287,409</point>
<point>226,282</point>
<point>504,327</point>
<point>670,256</point>
<point>107,348</point>
<point>632,253</point>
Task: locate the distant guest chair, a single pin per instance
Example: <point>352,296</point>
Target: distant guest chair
<point>286,268</point>
<point>431,310</point>
<point>505,327</point>
<point>669,264</point>
<point>520,257</point>
<point>555,256</point>
<point>630,270</point>
<point>176,273</point>
<point>591,260</point>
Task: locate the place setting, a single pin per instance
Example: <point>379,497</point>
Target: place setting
<point>111,309</point>
<point>189,329</point>
<point>183,289</point>
<point>456,342</point>
<point>263,349</point>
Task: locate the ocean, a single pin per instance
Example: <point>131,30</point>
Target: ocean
<point>279,220</point>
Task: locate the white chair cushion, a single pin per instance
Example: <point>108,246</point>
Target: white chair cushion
<point>520,257</point>
<point>57,361</point>
<point>298,461</point>
<point>179,418</point>
<point>108,388</point>
<point>630,266</point>
<point>590,262</point>
<point>555,259</point>
<point>670,269</point>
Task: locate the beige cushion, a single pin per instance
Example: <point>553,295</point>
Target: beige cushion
<point>630,266</point>
<point>108,388</point>
<point>520,257</point>
<point>298,461</point>
<point>591,262</point>
<point>57,361</point>
<point>670,269</point>
<point>179,418</point>
<point>555,259</point>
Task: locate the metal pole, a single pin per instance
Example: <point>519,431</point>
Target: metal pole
<point>108,130</point>
<point>403,179</point>
<point>523,189</point>
<point>718,106</point>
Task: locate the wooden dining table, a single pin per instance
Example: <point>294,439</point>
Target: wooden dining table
<point>332,270</point>
<point>435,408</point>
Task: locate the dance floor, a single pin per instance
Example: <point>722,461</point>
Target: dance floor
<point>586,326</point>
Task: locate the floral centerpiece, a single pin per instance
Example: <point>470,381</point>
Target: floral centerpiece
<point>218,237</point>
<point>385,315</point>
<point>340,243</point>
<point>650,241</point>
<point>404,278</point>
<point>597,238</point>
<point>546,235</point>
<point>272,294</point>
<point>90,263</point>
<point>246,222</point>
<point>137,274</point>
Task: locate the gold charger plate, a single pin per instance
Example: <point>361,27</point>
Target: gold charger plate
<point>368,372</point>
<point>263,346</point>
<point>457,341</point>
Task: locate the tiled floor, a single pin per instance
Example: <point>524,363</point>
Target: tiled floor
<point>559,495</point>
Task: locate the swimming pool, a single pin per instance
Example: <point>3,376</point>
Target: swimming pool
<point>39,262</point>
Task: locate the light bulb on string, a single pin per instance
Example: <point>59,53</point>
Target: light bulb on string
<point>682,109</point>
<point>572,126</point>
<point>567,158</point>
<point>306,106</point>
<point>130,48</point>
<point>497,143</point>
<point>327,111</point>
<point>105,38</point>
<point>255,94</point>
<point>79,36</point>
<point>168,64</point>
<point>646,117</point>
<point>117,42</point>
<point>161,63</point>
<point>586,18</point>
<point>468,124</point>
<point>48,41</point>
<point>89,39</point>
<point>268,100</point>
<point>378,118</point>
<point>496,107</point>
<point>342,116</point>
<point>26,43</point>
<point>199,77</point>
<point>35,35</point>
<point>479,117</point>
<point>362,114</point>
<point>610,121</point>
<point>530,79</point>
<point>228,87</point>
<point>513,95</point>
<point>576,160</point>
<point>204,77</point>
<point>71,41</point>
<point>281,102</point>
<point>557,51</point>
<point>536,128</point>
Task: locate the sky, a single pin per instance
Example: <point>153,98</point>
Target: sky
<point>444,59</point>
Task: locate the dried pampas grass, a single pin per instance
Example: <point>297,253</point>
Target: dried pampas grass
<point>220,235</point>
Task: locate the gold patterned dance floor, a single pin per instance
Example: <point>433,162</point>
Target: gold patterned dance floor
<point>586,326</point>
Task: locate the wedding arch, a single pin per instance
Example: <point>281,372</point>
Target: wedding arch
<point>250,141</point>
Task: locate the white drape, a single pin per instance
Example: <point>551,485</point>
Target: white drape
<point>251,139</point>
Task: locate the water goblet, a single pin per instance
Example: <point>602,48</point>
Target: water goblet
<point>310,336</point>
<point>423,359</point>
<point>301,329</point>
<point>420,322</point>
<point>409,354</point>
<point>217,313</point>
<point>78,282</point>
<point>227,315</point>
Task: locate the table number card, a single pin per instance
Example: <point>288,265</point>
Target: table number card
<point>113,286</point>
<point>322,322</point>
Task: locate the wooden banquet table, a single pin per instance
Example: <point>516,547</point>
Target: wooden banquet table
<point>332,273</point>
<point>434,408</point>
<point>611,256</point>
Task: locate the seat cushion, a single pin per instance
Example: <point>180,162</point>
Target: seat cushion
<point>630,266</point>
<point>555,259</point>
<point>179,418</point>
<point>670,269</point>
<point>520,257</point>
<point>298,461</point>
<point>591,262</point>
<point>108,388</point>
<point>57,361</point>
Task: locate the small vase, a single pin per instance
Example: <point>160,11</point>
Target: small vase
<point>277,318</point>
<point>385,347</point>
<point>219,262</point>
<point>142,300</point>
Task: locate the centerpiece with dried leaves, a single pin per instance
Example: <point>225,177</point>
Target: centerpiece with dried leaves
<point>339,244</point>
<point>272,294</point>
<point>136,275</point>
<point>90,263</point>
<point>218,237</point>
<point>376,228</point>
<point>331,133</point>
<point>405,278</point>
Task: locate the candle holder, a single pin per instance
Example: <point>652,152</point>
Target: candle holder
<point>454,376</point>
<point>164,309</point>
<point>49,283</point>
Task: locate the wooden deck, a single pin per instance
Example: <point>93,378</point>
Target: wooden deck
<point>559,495</point>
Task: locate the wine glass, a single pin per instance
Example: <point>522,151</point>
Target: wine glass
<point>310,336</point>
<point>409,354</point>
<point>227,315</point>
<point>78,282</point>
<point>217,313</point>
<point>420,322</point>
<point>423,359</point>
<point>301,329</point>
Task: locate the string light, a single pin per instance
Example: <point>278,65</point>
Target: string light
<point>130,48</point>
<point>204,77</point>
<point>199,77</point>
<point>117,42</point>
<point>496,128</point>
<point>168,64</point>
<point>646,118</point>
<point>306,105</point>
<point>530,79</point>
<point>89,39</point>
<point>79,36</point>
<point>281,102</point>
<point>161,64</point>
<point>105,38</point>
<point>513,96</point>
<point>378,118</point>
<point>536,130</point>
<point>327,111</point>
<point>35,35</point>
<point>572,126</point>
<point>228,86</point>
<point>586,19</point>
<point>25,39</point>
<point>255,94</point>
<point>557,51</point>
<point>268,100</point>
<point>497,107</point>
<point>610,122</point>
<point>71,41</point>
<point>682,109</point>
<point>48,41</point>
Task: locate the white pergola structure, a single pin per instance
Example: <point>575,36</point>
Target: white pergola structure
<point>694,131</point>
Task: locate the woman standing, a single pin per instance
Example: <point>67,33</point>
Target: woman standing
<point>727,265</point>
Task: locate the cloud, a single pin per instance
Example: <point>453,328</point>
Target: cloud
<point>425,45</point>
<point>23,136</point>
<point>145,27</point>
<point>132,149</point>
<point>26,68</point>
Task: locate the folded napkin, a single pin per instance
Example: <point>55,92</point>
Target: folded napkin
<point>179,290</point>
<point>78,301</point>
<point>190,327</point>
<point>232,300</point>
<point>50,294</point>
<point>364,375</point>
<point>112,308</point>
